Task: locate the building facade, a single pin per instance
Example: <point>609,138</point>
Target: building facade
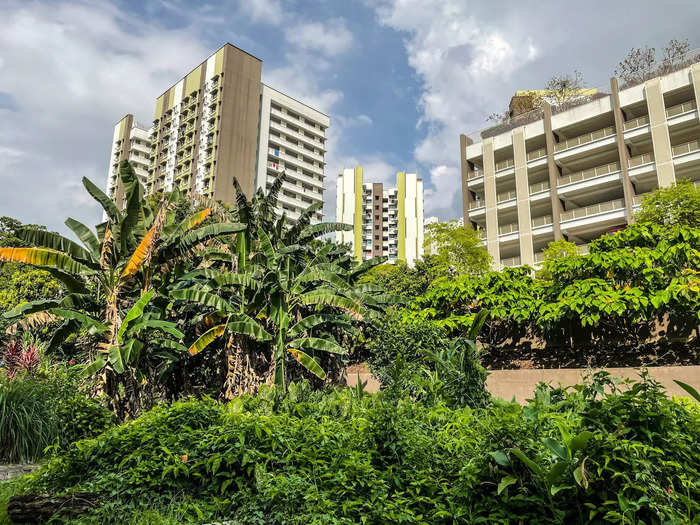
<point>386,221</point>
<point>293,140</point>
<point>130,141</point>
<point>579,170</point>
<point>220,122</point>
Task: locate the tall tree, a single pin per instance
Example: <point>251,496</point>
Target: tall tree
<point>455,250</point>
<point>675,205</point>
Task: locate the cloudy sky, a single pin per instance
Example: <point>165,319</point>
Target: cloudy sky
<point>400,78</point>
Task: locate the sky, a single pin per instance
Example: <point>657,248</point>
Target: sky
<point>400,79</point>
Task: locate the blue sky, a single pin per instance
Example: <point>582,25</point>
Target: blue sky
<point>400,79</point>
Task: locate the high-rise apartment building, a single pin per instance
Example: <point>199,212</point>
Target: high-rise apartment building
<point>579,170</point>
<point>130,141</point>
<point>220,122</point>
<point>386,221</point>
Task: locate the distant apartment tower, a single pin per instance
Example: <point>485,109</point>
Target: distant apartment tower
<point>577,170</point>
<point>130,141</point>
<point>221,122</point>
<point>386,221</point>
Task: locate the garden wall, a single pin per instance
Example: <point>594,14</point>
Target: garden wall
<point>521,383</point>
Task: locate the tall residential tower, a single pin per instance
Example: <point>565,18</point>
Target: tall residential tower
<point>220,122</point>
<point>386,221</point>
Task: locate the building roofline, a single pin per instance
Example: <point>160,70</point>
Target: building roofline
<point>295,100</point>
<point>204,61</point>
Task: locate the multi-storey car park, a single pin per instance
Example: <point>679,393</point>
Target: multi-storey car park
<point>578,170</point>
<point>221,122</point>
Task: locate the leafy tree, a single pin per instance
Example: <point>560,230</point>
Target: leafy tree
<point>458,249</point>
<point>20,283</point>
<point>675,205</point>
<point>400,279</point>
<point>554,251</point>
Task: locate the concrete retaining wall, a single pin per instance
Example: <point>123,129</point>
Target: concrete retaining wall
<point>520,384</point>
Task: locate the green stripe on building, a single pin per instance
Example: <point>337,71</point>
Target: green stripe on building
<point>219,65</point>
<point>192,80</point>
<point>357,219</point>
<point>401,183</point>
<point>159,107</point>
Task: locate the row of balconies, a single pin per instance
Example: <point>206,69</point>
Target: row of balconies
<point>673,111</point>
<point>568,215</point>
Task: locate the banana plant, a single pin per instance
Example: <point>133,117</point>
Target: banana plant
<point>116,261</point>
<point>281,288</point>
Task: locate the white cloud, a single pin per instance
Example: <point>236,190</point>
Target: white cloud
<point>330,37</point>
<point>463,64</point>
<point>263,11</point>
<point>74,69</point>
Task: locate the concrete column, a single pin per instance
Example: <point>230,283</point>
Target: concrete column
<point>522,191</point>
<point>491,205</point>
<point>467,170</point>
<point>623,152</point>
<point>553,173</point>
<point>695,76</point>
<point>663,157</point>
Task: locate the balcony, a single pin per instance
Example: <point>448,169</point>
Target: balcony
<point>473,205</point>
<point>504,165</point>
<point>539,187</point>
<point>688,147</point>
<point>506,196</point>
<point>539,257</point>
<point>590,173</point>
<point>537,154</point>
<point>508,228</point>
<point>511,261</point>
<point>636,123</point>
<point>475,174</point>
<point>594,209</point>
<point>584,139</point>
<point>544,220</point>
<point>680,109</point>
<point>640,160</point>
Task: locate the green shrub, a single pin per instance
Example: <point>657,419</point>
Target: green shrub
<point>349,457</point>
<point>43,410</point>
<point>28,422</point>
<point>393,339</point>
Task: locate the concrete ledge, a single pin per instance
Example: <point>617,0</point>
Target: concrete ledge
<point>520,384</point>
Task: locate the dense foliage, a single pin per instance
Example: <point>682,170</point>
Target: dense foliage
<point>42,405</point>
<point>678,204</point>
<point>166,277</point>
<point>348,457</point>
<point>455,250</point>
<point>614,294</point>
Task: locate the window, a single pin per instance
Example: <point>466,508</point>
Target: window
<point>376,247</point>
<point>376,237</point>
